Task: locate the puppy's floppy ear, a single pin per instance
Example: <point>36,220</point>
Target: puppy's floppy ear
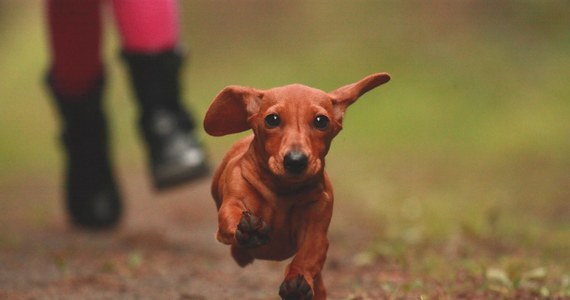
<point>348,94</point>
<point>230,110</point>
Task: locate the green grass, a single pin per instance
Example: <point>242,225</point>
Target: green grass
<point>466,150</point>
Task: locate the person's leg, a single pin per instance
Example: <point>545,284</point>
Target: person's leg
<point>149,33</point>
<point>74,37</point>
<point>147,26</point>
<point>76,81</point>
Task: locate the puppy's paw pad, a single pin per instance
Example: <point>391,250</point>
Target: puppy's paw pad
<point>251,231</point>
<point>296,288</point>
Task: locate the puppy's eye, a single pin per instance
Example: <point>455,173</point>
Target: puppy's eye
<point>321,122</point>
<point>272,120</point>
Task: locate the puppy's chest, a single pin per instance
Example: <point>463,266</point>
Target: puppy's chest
<point>283,235</point>
<point>282,222</point>
<point>286,216</point>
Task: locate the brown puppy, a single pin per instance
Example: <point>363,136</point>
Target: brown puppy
<point>273,196</point>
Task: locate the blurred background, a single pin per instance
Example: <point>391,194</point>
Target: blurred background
<point>466,149</point>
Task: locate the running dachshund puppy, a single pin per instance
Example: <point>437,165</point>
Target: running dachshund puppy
<point>273,196</point>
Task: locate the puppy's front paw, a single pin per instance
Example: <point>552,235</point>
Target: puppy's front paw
<point>251,231</point>
<point>296,288</point>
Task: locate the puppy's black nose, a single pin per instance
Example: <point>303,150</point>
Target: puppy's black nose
<point>295,162</point>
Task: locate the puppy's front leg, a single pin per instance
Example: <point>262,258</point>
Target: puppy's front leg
<point>303,278</point>
<point>229,216</point>
<point>240,227</point>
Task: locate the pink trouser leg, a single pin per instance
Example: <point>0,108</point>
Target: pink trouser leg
<point>74,36</point>
<point>147,26</point>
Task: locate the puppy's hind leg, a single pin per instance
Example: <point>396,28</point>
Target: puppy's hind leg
<point>241,256</point>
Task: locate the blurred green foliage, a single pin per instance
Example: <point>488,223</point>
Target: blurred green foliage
<point>469,141</point>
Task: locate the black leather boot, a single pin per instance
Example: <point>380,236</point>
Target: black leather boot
<point>91,194</point>
<point>174,152</point>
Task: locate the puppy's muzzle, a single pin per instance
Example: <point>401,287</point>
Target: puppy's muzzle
<point>295,162</point>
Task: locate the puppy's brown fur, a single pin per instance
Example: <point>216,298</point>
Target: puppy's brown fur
<point>273,196</point>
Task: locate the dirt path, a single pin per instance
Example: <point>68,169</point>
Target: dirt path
<point>165,249</point>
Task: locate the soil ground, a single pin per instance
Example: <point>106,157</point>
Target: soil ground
<point>164,249</point>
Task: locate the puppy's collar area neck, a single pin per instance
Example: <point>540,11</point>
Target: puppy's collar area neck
<point>289,190</point>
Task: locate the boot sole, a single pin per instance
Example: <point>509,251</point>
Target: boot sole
<point>178,175</point>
